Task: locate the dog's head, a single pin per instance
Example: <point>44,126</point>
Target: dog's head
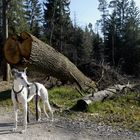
<point>20,76</point>
<point>14,72</point>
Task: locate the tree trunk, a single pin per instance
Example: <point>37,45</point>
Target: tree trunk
<point>83,103</point>
<point>44,58</point>
<point>5,65</point>
<point>102,95</point>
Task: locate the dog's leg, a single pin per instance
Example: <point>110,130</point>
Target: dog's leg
<point>25,118</point>
<point>37,108</point>
<point>49,107</point>
<point>44,96</point>
<point>16,115</point>
<point>44,108</point>
<point>46,103</point>
<point>39,111</point>
<point>28,120</point>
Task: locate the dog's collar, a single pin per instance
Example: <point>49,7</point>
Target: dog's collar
<point>17,92</point>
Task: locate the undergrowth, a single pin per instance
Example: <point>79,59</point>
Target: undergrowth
<point>121,111</point>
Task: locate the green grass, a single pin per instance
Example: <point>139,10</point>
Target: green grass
<point>64,97</point>
<point>121,111</point>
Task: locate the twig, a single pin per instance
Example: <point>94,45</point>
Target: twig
<point>79,91</point>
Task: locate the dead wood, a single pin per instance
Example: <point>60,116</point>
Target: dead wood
<point>104,75</point>
<point>102,95</point>
<point>41,57</point>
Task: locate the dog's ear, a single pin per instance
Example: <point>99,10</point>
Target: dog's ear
<point>25,70</point>
<point>14,71</point>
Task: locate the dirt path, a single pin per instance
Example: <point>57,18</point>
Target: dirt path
<point>44,130</point>
<point>61,129</point>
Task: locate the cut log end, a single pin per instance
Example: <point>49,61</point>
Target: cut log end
<point>26,45</point>
<point>82,105</point>
<point>17,47</point>
<point>11,51</point>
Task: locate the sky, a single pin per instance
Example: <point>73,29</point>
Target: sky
<point>86,11</point>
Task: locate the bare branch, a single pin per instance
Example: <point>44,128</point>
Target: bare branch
<point>102,75</point>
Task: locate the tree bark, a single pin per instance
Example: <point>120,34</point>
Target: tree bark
<point>102,95</point>
<point>5,66</point>
<point>44,58</point>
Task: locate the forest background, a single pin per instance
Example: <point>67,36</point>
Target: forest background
<point>115,39</point>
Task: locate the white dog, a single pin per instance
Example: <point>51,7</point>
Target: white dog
<point>23,92</point>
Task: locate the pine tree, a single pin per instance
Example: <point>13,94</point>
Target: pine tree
<point>87,43</point>
<point>16,17</point>
<point>122,36</point>
<point>96,53</point>
<point>131,50</point>
<point>5,67</point>
<point>103,9</point>
<point>122,9</point>
<point>57,22</point>
<point>110,42</point>
<point>33,15</point>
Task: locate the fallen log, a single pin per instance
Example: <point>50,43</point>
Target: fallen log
<point>102,95</point>
<point>41,57</point>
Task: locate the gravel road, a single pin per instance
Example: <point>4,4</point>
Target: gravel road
<point>61,129</point>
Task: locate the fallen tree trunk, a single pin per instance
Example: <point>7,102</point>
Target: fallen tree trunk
<point>83,103</point>
<point>43,58</point>
<point>102,95</point>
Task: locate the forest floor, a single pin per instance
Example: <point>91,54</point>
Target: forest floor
<point>63,127</point>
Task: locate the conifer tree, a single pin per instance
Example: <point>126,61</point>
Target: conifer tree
<point>16,17</point>
<point>33,15</point>
<point>103,5</point>
<point>57,22</point>
<point>122,36</point>
<point>131,40</point>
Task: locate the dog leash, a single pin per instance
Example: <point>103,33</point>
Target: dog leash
<point>17,92</point>
<point>36,101</point>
